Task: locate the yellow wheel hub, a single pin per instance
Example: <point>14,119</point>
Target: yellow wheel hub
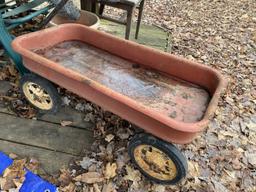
<point>155,162</point>
<point>37,95</point>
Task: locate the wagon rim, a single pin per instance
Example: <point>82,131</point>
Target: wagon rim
<point>155,162</point>
<point>37,95</point>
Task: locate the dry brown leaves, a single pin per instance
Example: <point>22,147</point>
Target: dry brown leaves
<point>66,123</point>
<point>13,98</point>
<point>221,34</point>
<point>90,177</point>
<point>14,175</point>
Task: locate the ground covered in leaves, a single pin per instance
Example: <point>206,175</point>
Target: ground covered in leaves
<point>218,33</point>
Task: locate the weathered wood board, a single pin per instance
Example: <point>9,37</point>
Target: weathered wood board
<point>44,135</point>
<point>64,114</point>
<point>50,161</point>
<point>67,114</point>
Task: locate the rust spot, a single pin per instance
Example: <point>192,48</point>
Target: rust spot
<point>173,114</point>
<point>87,81</point>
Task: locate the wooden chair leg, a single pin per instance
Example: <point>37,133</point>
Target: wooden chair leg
<point>86,5</point>
<point>102,6</point>
<point>93,6</point>
<point>129,22</point>
<point>139,19</point>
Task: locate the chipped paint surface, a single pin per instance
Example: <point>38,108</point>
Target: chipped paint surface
<point>163,93</point>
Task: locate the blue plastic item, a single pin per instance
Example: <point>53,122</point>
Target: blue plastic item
<point>5,162</point>
<point>32,183</point>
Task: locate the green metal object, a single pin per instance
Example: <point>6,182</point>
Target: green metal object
<point>10,18</point>
<point>7,22</point>
<point>6,39</point>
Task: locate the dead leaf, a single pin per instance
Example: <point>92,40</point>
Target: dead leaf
<point>109,137</point>
<point>12,70</point>
<point>16,169</point>
<point>132,175</point>
<point>65,177</point>
<point>193,169</point>
<point>14,175</point>
<point>19,182</point>
<point>90,177</point>
<point>219,186</point>
<point>251,157</point>
<point>87,162</point>
<point>6,184</point>
<point>159,188</point>
<point>65,123</point>
<point>109,187</point>
<point>224,134</point>
<point>33,165</point>
<point>96,187</point>
<point>69,188</point>
<point>13,156</point>
<point>236,164</point>
<point>110,171</point>
<point>3,75</point>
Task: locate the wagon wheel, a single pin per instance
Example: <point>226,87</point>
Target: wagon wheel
<point>157,160</point>
<point>40,93</point>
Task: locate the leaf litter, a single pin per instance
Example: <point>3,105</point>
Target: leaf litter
<point>221,34</point>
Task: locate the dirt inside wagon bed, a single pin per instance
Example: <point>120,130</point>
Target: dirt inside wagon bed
<point>163,93</point>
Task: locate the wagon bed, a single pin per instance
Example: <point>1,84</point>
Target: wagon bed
<point>167,95</point>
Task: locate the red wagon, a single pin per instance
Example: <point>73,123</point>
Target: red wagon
<point>169,97</point>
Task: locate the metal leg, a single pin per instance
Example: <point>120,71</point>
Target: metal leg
<point>139,19</point>
<point>129,22</point>
<point>6,40</point>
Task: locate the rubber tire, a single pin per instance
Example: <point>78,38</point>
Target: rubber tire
<point>45,84</point>
<point>169,149</point>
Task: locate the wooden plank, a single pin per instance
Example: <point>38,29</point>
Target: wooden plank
<point>5,109</point>
<point>45,135</point>
<point>50,161</point>
<point>67,114</point>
